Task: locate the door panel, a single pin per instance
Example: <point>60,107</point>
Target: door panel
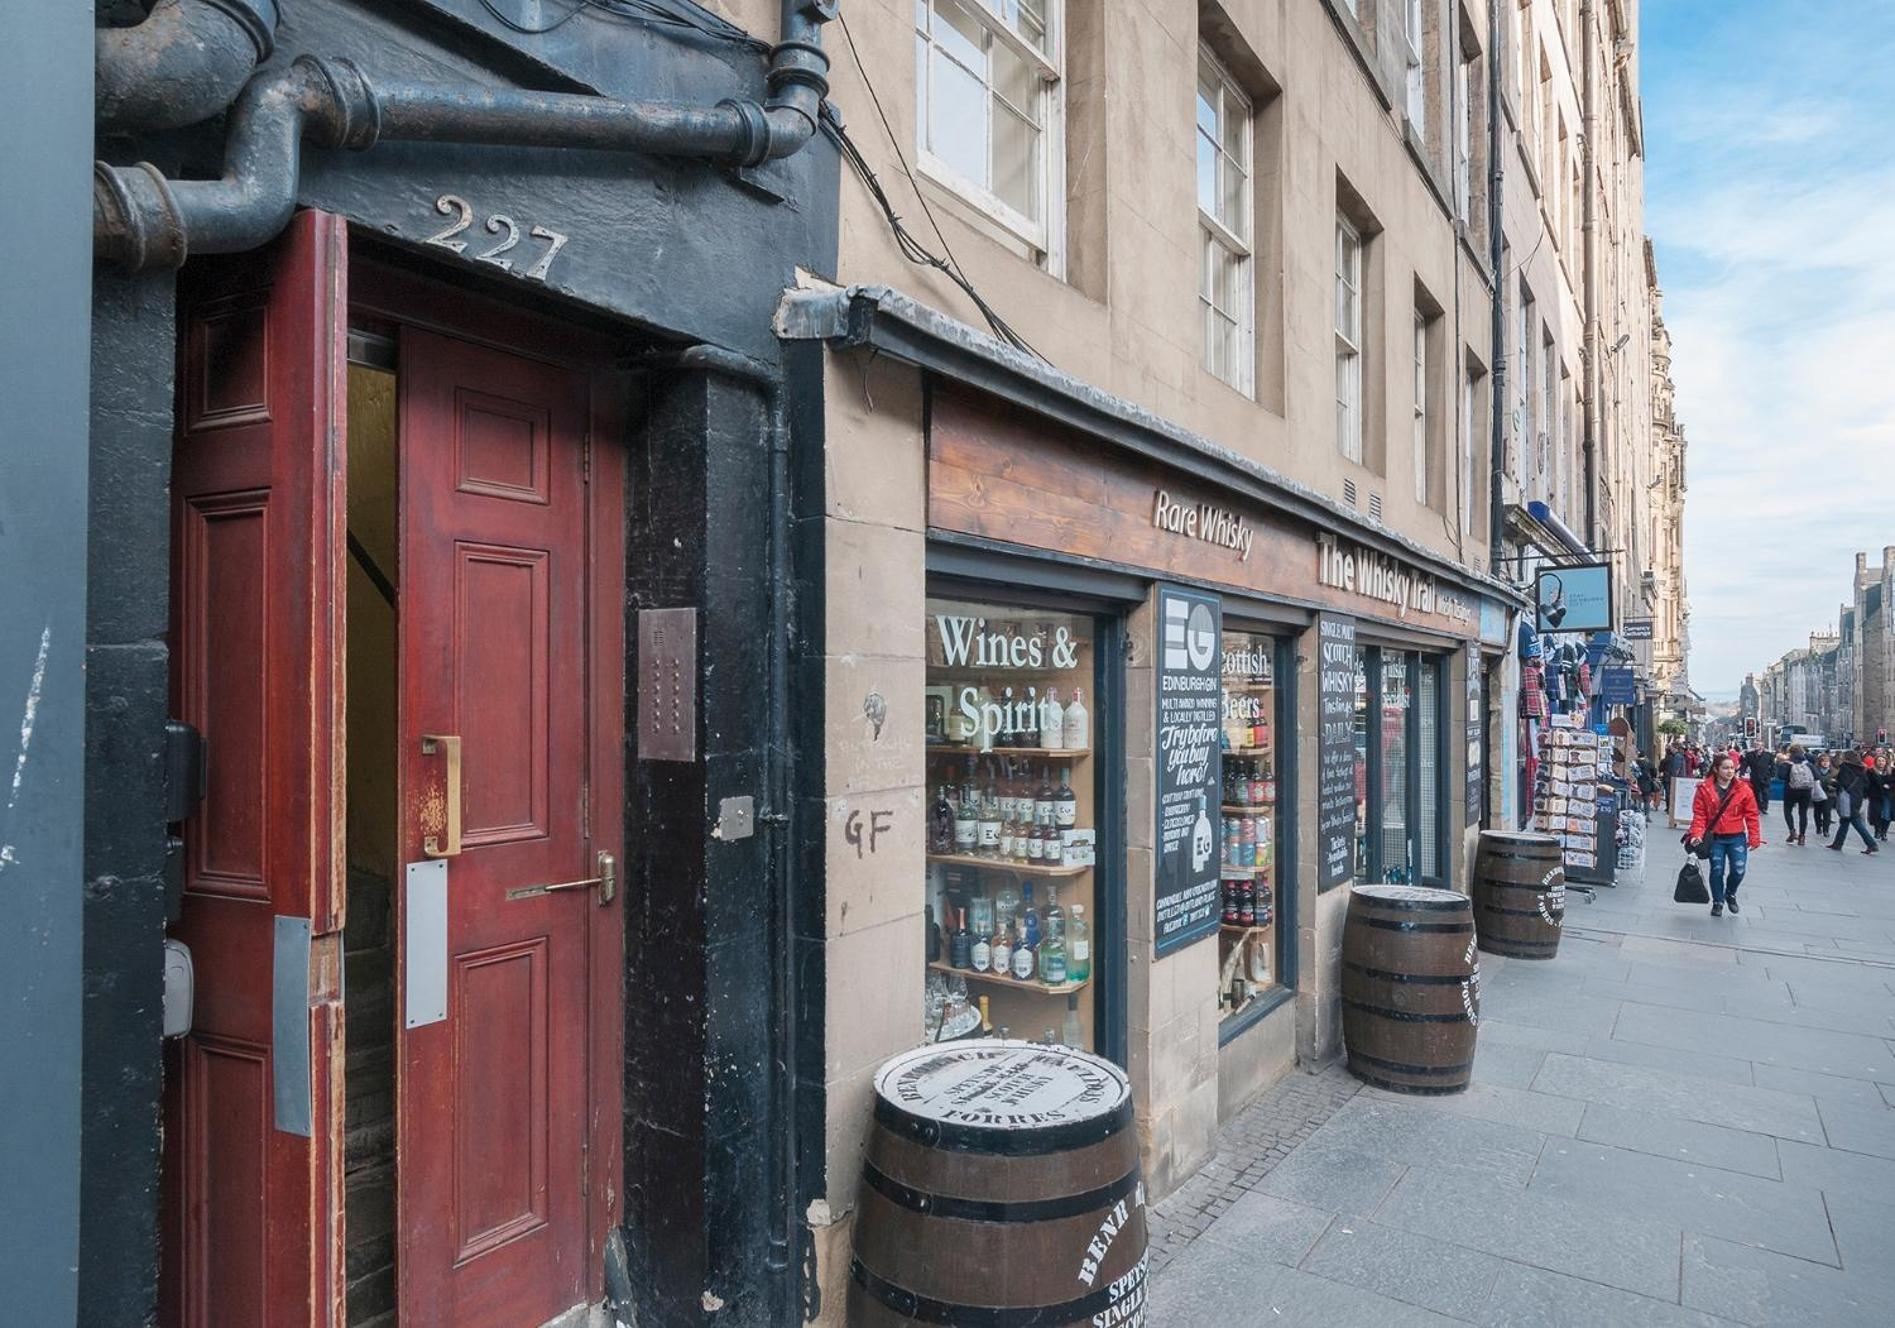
<point>494,649</point>
<point>251,1211</point>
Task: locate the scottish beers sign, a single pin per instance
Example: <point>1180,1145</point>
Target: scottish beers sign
<point>1190,690</point>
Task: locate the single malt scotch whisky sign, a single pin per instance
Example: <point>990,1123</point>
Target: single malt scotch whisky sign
<point>1190,688</point>
<point>1335,749</point>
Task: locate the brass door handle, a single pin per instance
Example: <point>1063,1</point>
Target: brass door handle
<point>607,880</point>
<point>450,744</point>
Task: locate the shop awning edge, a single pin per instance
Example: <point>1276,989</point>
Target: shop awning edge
<point>903,328</point>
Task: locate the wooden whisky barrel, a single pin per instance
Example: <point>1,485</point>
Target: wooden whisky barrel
<point>1000,1186</point>
<point>1410,988</point>
<point>1519,894</point>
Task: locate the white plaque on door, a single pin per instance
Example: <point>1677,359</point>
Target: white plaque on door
<point>425,960</point>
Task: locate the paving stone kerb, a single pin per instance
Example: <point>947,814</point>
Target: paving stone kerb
<point>1680,1120</point>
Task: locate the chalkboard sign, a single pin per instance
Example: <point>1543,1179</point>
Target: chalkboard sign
<point>1335,749</point>
<point>1476,723</point>
<point>1190,688</point>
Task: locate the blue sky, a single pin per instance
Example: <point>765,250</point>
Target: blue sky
<point>1770,196</point>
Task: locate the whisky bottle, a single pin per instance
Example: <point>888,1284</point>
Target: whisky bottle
<point>1000,949</point>
<point>980,953</point>
<point>941,821</point>
<point>967,816</point>
<point>989,819</point>
<point>1052,722</point>
<point>1065,802</point>
<point>1055,916</point>
<point>1078,946</point>
<point>1006,907</point>
<point>1053,961</point>
<point>1035,843</point>
<point>961,946</point>
<point>1029,917</point>
<point>1078,733</point>
<point>1045,801</point>
<point>1022,953</point>
<point>1074,1034</point>
<point>1052,846</point>
<point>986,1018</point>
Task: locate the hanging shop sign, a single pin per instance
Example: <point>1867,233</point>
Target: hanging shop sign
<point>1574,599</point>
<point>1335,749</point>
<point>1638,629</point>
<point>1190,692</point>
<point>1616,686</point>
<point>1476,722</point>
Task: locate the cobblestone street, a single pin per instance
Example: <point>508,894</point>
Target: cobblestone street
<point>1680,1120</point>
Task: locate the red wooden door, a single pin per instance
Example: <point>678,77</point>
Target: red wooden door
<point>496,621</point>
<point>253,1102</point>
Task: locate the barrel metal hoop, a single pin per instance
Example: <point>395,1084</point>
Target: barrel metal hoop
<point>1413,1090</point>
<point>1400,1067</point>
<point>1415,979</point>
<point>1513,912</point>
<point>1404,1017</point>
<point>1445,928</point>
<point>984,1210</point>
<point>1000,1141</point>
<point>923,1309</point>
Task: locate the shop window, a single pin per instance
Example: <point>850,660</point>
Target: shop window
<point>1396,703</point>
<point>987,112</point>
<point>1251,937</point>
<point>1012,785</point>
<point>1400,727</point>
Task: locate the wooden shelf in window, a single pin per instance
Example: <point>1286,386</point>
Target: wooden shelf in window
<point>1230,873</point>
<point>1249,809</point>
<point>1249,751</point>
<point>1234,931</point>
<point>994,979</point>
<point>1049,753</point>
<point>1006,865</point>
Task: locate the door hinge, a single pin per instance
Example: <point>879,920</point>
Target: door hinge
<point>585,808</point>
<point>585,458</point>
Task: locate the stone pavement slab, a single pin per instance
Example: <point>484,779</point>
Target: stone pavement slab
<point>1415,1135</point>
<point>1640,1088</point>
<point>1494,1102</point>
<point>1525,1297</point>
<point>1850,1054</point>
<point>1405,1266</point>
<point>1680,1140</point>
<point>1624,1249</point>
<point>1341,1180</point>
<point>1209,1285</point>
<point>1263,1226</point>
<point>1753,1286</point>
<point>1769,1213</point>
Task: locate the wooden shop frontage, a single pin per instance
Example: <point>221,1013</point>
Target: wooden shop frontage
<point>1109,714</point>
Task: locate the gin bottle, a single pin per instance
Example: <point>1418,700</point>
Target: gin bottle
<point>1078,946</point>
<point>1052,722</point>
<point>1078,735</point>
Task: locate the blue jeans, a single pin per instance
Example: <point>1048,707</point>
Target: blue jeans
<point>1730,852</point>
<point>1853,819</point>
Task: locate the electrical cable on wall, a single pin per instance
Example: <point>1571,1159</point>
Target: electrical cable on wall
<point>911,248</point>
<point>671,13</point>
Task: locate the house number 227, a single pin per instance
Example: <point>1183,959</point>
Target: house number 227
<point>498,224</point>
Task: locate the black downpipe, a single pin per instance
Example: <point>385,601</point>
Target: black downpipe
<point>1497,250</point>
<point>184,63</point>
<point>775,818</point>
<point>142,219</point>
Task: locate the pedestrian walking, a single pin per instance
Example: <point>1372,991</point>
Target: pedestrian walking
<point>1760,767</point>
<point>1725,818</point>
<point>1851,788</point>
<point>1799,778</point>
<point>1879,784</point>
<point>1822,794</point>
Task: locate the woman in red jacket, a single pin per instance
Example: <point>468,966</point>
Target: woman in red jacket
<point>1725,813</point>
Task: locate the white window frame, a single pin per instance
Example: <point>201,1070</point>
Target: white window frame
<point>1421,408</point>
<point>1348,294</point>
<point>1549,405</point>
<point>1413,30</point>
<point>1043,235</point>
<point>1236,243</point>
<point>1525,401</point>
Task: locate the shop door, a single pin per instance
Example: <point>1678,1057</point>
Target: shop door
<point>504,723</point>
<point>253,1104</point>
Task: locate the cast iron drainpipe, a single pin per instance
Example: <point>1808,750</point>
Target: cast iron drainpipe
<point>140,219</point>
<point>183,64</point>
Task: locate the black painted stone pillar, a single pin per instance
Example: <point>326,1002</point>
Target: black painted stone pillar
<point>703,1197</point>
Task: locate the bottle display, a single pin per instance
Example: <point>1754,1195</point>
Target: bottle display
<point>1247,939</point>
<point>1011,805</point>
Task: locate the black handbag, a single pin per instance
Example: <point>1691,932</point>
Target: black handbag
<point>1703,849</point>
<point>1690,888</point>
